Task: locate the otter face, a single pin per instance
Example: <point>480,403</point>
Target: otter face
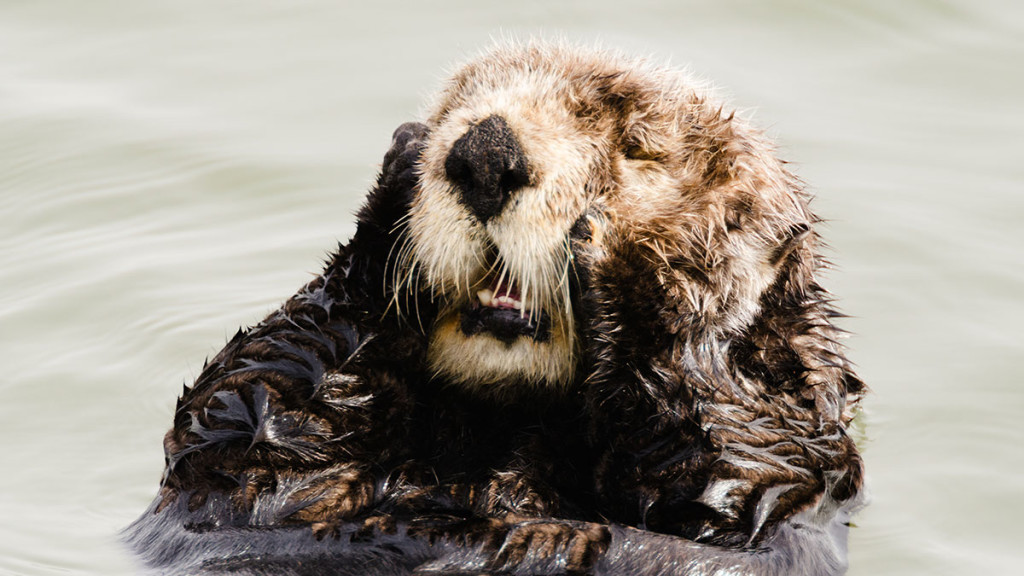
<point>529,144</point>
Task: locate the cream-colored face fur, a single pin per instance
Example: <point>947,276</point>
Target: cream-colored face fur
<point>637,148</point>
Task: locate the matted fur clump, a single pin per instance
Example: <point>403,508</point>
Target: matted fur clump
<point>577,331</point>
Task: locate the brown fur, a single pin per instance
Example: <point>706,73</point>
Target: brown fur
<point>691,383</point>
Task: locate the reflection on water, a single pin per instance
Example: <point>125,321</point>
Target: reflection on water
<point>172,170</point>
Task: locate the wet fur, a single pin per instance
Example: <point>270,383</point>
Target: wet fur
<point>688,414</point>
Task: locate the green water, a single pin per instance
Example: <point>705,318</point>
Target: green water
<point>170,170</point>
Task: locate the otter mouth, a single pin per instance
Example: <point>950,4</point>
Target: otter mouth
<point>499,311</point>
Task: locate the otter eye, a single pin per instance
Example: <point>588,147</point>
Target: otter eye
<point>583,229</point>
<point>588,228</point>
<point>637,152</point>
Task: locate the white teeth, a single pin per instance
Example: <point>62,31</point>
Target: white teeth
<point>485,297</point>
<point>509,302</point>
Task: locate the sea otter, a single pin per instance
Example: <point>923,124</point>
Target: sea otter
<point>577,331</point>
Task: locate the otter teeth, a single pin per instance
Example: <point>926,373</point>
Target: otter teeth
<point>487,298</point>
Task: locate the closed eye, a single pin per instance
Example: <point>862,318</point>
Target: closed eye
<point>637,152</point>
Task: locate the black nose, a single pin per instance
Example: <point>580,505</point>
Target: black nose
<point>487,165</point>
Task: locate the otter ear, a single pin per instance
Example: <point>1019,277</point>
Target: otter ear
<point>388,203</point>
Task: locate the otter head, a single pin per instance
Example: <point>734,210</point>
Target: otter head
<point>547,163</point>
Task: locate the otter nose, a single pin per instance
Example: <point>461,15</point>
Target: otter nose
<point>487,165</point>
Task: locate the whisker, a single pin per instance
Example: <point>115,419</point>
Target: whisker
<point>501,276</point>
<point>395,266</point>
<point>419,318</point>
<point>400,264</point>
<point>401,222</point>
<point>566,303</point>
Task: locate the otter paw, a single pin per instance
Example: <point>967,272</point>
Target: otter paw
<point>580,544</point>
<point>398,172</point>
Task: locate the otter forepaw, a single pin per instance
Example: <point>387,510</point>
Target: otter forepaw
<point>578,544</point>
<point>398,173</point>
<point>388,204</point>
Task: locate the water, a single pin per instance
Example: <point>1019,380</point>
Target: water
<point>171,170</point>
